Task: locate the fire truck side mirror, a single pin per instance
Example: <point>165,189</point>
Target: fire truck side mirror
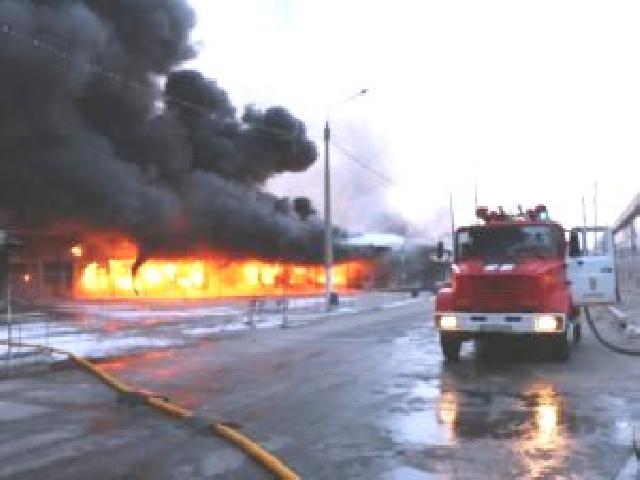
<point>440,250</point>
<point>574,244</point>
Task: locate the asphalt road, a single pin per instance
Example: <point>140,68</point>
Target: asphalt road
<point>363,396</point>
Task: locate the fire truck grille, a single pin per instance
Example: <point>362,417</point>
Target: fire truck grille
<point>510,293</point>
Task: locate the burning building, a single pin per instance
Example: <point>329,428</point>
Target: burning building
<point>102,133</point>
<point>104,267</point>
<point>400,263</point>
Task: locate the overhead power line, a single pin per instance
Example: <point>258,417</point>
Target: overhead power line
<point>115,77</point>
<point>362,164</point>
<point>121,80</point>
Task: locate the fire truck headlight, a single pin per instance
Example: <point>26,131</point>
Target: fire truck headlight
<point>548,323</point>
<point>447,322</point>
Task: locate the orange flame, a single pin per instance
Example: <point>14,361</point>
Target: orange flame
<point>208,276</point>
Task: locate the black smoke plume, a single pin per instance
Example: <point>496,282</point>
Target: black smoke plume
<point>100,128</point>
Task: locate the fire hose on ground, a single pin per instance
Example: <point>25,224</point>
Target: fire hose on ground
<point>614,348</point>
<point>134,396</point>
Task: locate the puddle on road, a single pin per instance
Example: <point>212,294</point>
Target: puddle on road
<point>409,473</point>
<point>426,389</point>
<point>625,431</point>
<point>130,362</point>
<point>535,423</point>
<point>418,424</point>
<point>420,428</point>
<point>630,470</point>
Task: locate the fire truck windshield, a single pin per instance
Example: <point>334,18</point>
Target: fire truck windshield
<point>508,242</point>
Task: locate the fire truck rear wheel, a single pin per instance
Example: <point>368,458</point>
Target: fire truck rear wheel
<point>451,345</point>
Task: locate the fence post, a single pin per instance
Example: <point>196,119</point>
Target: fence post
<point>285,312</point>
<point>250,312</point>
<point>9,327</point>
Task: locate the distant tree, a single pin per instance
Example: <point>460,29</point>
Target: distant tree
<point>282,206</point>
<point>303,207</point>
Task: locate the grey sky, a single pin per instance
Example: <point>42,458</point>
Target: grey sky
<point>534,100</point>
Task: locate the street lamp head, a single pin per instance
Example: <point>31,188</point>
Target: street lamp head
<point>359,93</point>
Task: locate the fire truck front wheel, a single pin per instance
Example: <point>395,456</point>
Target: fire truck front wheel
<point>451,345</point>
<point>560,347</point>
<point>577,332</point>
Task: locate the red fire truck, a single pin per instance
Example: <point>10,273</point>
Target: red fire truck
<point>523,275</point>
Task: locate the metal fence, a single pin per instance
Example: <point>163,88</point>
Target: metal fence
<point>114,329</point>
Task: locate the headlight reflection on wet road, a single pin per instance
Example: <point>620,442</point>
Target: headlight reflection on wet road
<point>448,411</point>
<point>543,449</point>
<point>532,422</point>
<point>547,416</point>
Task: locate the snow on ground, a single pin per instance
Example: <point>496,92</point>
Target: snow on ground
<point>103,330</point>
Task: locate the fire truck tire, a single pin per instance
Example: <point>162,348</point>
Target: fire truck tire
<point>560,347</point>
<point>577,332</point>
<point>451,345</point>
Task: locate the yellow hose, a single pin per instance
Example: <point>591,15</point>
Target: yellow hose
<point>254,450</point>
<point>251,448</point>
<point>169,408</point>
<point>105,377</point>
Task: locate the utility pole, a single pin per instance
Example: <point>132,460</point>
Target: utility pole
<point>328,237</point>
<point>584,230</point>
<point>328,229</point>
<point>453,223</point>
<point>595,204</point>
<point>475,196</point>
<point>6,245</point>
<point>9,323</point>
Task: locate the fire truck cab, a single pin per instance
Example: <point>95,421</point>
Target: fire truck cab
<point>523,276</point>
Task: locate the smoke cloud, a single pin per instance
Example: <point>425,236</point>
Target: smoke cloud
<point>100,128</point>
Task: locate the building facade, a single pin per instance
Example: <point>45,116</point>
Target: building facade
<point>627,241</point>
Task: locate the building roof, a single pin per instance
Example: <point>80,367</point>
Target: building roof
<point>388,240</point>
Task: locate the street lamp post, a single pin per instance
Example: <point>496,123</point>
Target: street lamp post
<point>328,230</point>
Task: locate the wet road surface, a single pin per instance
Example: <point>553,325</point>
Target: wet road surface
<point>362,396</point>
